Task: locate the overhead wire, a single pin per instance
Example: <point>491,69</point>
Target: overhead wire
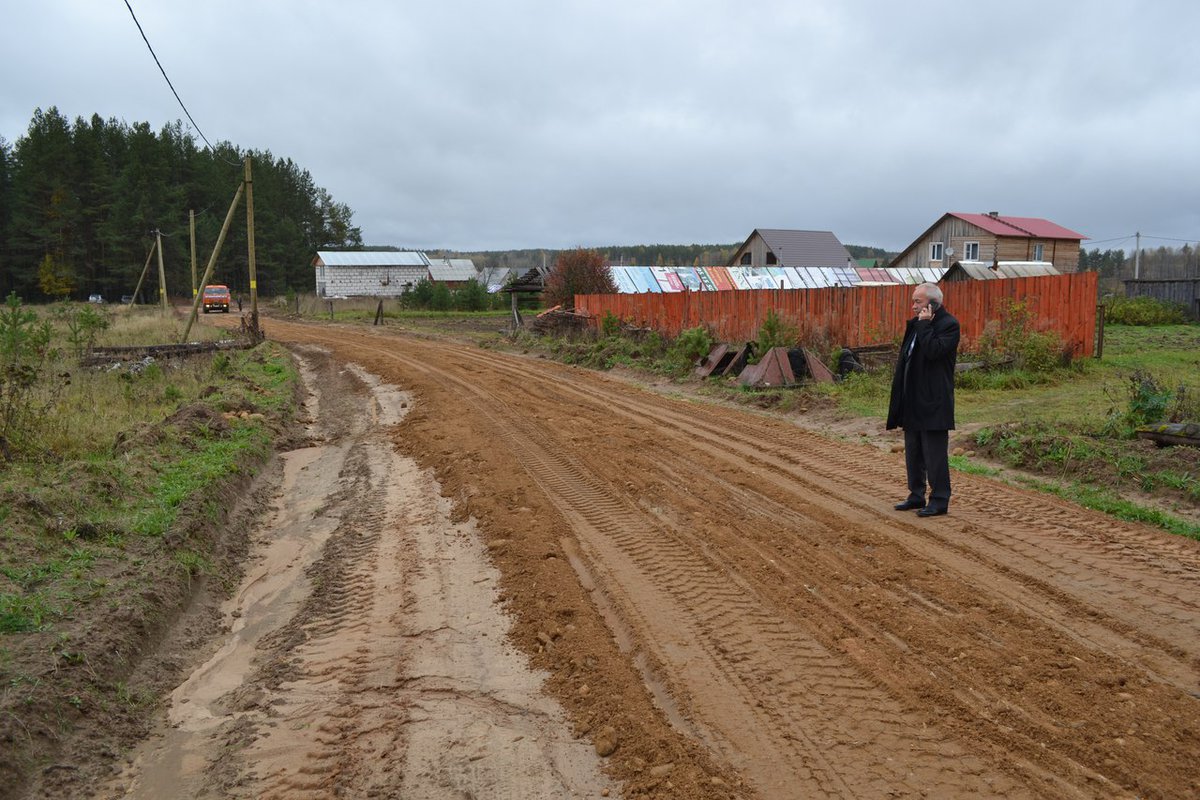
<point>177,97</point>
<point>1168,238</point>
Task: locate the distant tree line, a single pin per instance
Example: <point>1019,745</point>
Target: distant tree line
<point>642,255</point>
<point>1108,264</point>
<point>1164,263</point>
<point>79,202</point>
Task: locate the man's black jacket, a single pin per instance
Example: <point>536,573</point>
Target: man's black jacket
<point>923,386</point>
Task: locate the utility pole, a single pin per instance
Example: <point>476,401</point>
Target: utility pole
<point>192,228</point>
<point>145,269</point>
<point>212,260</point>
<point>1137,257</point>
<point>250,251</point>
<point>162,272</point>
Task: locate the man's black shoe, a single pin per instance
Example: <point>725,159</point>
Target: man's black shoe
<point>909,505</point>
<point>930,511</point>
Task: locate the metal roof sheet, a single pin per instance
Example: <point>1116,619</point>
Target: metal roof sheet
<point>452,269</point>
<point>982,270</point>
<point>1028,227</point>
<point>804,248</point>
<point>372,258</point>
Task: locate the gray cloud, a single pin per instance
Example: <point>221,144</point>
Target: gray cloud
<point>493,125</point>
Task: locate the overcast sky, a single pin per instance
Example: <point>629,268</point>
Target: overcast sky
<point>498,125</point>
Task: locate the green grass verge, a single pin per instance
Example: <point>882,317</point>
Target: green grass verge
<point>66,522</point>
<point>1109,503</point>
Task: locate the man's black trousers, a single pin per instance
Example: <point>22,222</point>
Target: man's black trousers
<point>926,458</point>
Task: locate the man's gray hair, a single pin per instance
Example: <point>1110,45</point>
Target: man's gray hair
<point>932,292</point>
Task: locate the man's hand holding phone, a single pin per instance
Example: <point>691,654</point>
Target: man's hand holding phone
<point>926,312</point>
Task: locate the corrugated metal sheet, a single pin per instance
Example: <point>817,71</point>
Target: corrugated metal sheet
<point>689,279</point>
<point>452,269</point>
<point>632,280</point>
<point>1031,227</point>
<point>915,275</point>
<point>982,270</point>
<point>863,315</point>
<point>382,258</point>
<point>644,278</point>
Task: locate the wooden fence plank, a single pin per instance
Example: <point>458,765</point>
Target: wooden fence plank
<point>863,315</point>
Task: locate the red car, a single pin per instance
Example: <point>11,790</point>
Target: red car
<point>216,298</point>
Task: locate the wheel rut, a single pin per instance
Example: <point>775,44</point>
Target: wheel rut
<point>811,637</point>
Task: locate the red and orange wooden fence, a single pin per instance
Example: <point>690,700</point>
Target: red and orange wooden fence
<point>859,316</point>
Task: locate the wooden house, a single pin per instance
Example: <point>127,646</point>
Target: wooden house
<point>776,247</point>
<point>992,238</point>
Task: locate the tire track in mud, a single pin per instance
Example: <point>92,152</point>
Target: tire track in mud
<point>348,666</point>
<point>376,676</point>
<point>779,673</point>
<point>979,701</point>
<point>747,631</point>
<point>1048,530</point>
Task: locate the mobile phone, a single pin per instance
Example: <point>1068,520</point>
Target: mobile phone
<point>933,305</point>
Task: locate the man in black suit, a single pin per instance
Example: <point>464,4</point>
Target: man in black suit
<point>922,401</point>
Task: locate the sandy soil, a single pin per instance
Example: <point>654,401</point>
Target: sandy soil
<point>366,655</point>
<point>698,602</point>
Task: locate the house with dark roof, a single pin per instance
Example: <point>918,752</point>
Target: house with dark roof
<point>992,239</point>
<point>778,247</point>
<point>454,272</point>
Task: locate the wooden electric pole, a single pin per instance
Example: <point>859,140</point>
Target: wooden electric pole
<point>212,261</point>
<point>1137,257</point>
<point>192,228</point>
<point>162,272</point>
<point>249,183</point>
<point>145,269</point>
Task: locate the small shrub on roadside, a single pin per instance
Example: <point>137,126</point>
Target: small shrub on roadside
<point>693,344</point>
<point>1145,402</point>
<point>610,324</point>
<point>775,333</point>
<point>1142,311</point>
<point>1185,406</point>
<point>26,384</point>
<point>1012,341</point>
<point>83,324</point>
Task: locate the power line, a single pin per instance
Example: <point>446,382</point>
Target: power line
<point>177,97</point>
<point>1114,239</point>
<point>1168,238</point>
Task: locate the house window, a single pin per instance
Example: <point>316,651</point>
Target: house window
<point>771,259</point>
<point>971,251</point>
<point>935,251</point>
<point>746,259</point>
<point>1039,250</point>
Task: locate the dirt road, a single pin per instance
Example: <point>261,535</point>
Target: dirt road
<point>727,599</point>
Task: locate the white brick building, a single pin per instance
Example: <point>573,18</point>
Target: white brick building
<point>369,274</point>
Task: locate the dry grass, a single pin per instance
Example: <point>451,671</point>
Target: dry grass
<point>138,325</point>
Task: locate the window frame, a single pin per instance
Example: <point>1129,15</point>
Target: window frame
<point>937,251</point>
<point>970,251</point>
<point>1039,251</point>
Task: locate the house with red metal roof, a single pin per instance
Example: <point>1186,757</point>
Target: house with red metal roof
<point>994,239</point>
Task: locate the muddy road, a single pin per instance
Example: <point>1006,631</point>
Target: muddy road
<point>717,602</point>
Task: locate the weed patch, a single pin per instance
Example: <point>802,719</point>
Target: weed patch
<point>109,519</point>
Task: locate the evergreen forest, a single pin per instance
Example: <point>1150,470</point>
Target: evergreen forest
<point>80,203</point>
